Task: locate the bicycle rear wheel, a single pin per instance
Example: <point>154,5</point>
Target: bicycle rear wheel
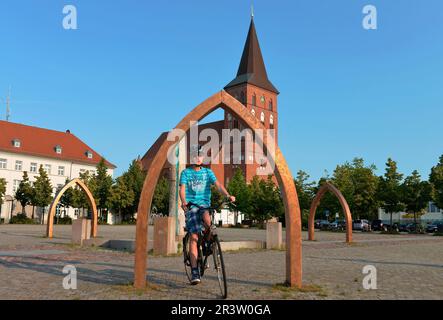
<point>219,266</point>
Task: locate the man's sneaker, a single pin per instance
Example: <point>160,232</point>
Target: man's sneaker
<point>195,276</point>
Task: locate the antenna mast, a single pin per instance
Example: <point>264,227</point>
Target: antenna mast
<point>8,105</point>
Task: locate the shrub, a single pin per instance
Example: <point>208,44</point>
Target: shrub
<point>21,219</point>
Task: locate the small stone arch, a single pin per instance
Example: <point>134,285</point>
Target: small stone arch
<point>327,186</point>
<point>53,208</point>
<point>284,177</point>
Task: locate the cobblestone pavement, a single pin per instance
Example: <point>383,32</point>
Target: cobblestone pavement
<point>408,267</point>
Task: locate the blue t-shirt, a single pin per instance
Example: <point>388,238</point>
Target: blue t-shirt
<point>198,185</point>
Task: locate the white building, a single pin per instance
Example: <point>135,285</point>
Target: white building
<point>26,148</point>
<point>433,214</point>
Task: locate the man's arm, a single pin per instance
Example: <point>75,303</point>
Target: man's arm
<point>223,190</point>
<point>183,197</point>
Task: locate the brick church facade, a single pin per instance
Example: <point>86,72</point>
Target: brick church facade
<point>255,91</point>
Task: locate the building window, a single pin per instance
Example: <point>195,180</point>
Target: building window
<point>82,171</point>
<point>271,106</point>
<point>16,143</point>
<point>58,149</point>
<point>262,117</point>
<point>3,163</point>
<point>242,97</point>
<point>19,165</point>
<point>47,168</point>
<point>15,186</point>
<point>253,112</point>
<point>254,100</point>
<point>61,171</point>
<point>89,154</point>
<point>33,167</point>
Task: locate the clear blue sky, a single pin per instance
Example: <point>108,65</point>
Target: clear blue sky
<point>134,68</point>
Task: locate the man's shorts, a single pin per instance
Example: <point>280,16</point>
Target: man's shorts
<point>194,219</point>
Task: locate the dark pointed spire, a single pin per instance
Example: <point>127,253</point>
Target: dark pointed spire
<point>252,67</point>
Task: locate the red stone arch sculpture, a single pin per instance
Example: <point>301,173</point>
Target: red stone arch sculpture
<point>293,218</point>
<point>348,217</point>
<point>91,200</point>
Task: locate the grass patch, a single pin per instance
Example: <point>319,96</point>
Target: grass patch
<point>312,288</point>
<point>129,289</point>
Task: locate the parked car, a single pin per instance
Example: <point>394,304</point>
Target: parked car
<point>403,227</point>
<point>395,227</point>
<point>434,227</point>
<point>324,225</point>
<point>361,224</point>
<point>338,225</point>
<point>414,227</point>
<point>377,225</point>
<point>318,223</point>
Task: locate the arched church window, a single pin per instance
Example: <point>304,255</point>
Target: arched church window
<point>262,117</point>
<point>242,97</point>
<point>271,106</point>
<point>253,112</point>
<point>254,100</point>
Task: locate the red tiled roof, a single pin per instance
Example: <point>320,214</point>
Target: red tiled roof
<point>42,142</point>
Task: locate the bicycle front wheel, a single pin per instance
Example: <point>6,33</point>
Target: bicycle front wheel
<point>186,256</point>
<point>219,266</point>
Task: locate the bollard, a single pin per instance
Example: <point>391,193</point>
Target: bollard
<point>164,236</point>
<point>273,235</point>
<point>81,230</point>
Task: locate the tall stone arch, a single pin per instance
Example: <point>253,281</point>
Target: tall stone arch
<point>91,200</point>
<point>327,186</point>
<point>285,180</point>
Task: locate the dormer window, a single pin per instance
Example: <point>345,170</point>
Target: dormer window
<point>16,143</point>
<point>89,154</point>
<point>58,149</point>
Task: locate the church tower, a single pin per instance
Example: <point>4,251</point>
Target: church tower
<point>256,92</point>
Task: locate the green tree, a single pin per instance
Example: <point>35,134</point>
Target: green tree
<point>160,201</point>
<point>102,184</point>
<point>134,179</point>
<point>239,189</point>
<point>2,190</point>
<point>390,190</point>
<point>42,196</point>
<point>266,201</point>
<point>67,199</point>
<point>122,196</point>
<point>358,183</point>
<point>217,199</point>
<point>79,199</point>
<point>306,193</point>
<point>436,179</point>
<point>416,194</point>
<point>24,193</point>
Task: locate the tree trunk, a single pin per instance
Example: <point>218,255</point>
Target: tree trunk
<point>415,218</point>
<point>391,226</point>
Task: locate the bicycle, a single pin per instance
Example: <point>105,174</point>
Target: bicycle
<point>208,244</point>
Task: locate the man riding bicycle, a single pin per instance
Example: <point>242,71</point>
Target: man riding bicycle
<point>195,188</point>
